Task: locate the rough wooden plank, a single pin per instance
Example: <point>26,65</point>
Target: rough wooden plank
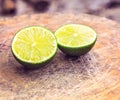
<point>94,76</point>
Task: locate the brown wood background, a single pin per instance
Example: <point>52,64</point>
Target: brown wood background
<point>94,76</point>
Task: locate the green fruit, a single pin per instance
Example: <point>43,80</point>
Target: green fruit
<point>75,39</point>
<point>34,46</point>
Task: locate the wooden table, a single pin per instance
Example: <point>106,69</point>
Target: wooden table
<point>94,76</point>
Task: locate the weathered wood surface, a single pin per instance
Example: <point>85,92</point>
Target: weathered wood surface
<point>94,76</point>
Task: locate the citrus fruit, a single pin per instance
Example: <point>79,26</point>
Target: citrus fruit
<point>75,39</point>
<point>34,46</point>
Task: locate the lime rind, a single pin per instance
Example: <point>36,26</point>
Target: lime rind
<point>47,58</point>
<point>77,51</point>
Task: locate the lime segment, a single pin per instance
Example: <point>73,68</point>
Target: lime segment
<point>34,45</point>
<point>75,35</point>
<point>75,39</point>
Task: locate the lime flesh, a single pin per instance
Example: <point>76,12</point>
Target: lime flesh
<point>34,46</point>
<point>75,39</point>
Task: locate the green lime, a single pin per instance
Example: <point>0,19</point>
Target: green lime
<point>34,46</point>
<point>75,39</point>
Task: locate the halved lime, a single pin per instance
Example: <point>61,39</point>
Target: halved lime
<point>34,46</point>
<point>75,39</point>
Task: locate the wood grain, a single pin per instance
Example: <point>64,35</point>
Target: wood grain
<point>94,76</point>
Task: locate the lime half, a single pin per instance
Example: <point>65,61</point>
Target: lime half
<point>75,39</point>
<point>34,46</point>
